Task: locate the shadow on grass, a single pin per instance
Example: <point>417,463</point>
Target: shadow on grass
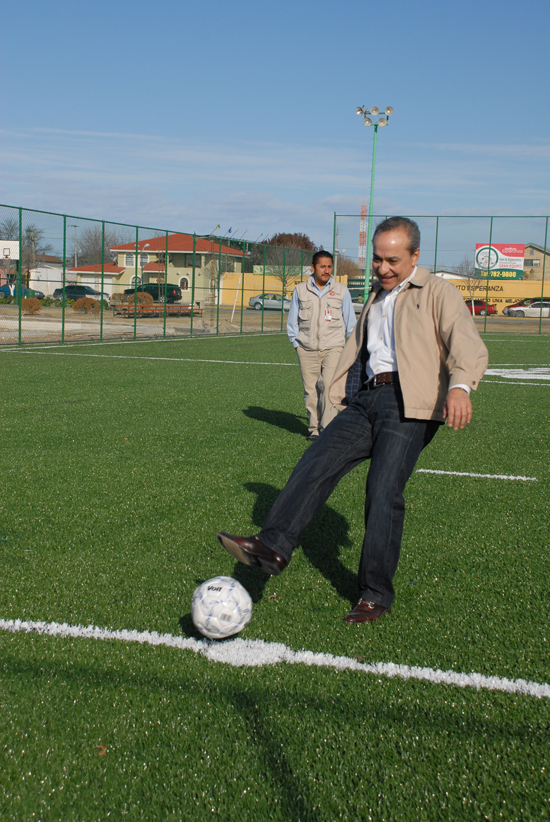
<point>282,419</point>
<point>187,627</point>
<point>321,543</point>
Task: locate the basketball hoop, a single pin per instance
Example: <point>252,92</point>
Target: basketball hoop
<point>6,253</point>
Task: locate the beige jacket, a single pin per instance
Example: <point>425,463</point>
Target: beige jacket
<point>314,332</point>
<point>436,343</point>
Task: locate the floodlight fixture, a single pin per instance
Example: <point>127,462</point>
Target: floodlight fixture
<point>368,121</point>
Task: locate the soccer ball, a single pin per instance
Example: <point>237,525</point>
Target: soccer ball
<point>221,607</point>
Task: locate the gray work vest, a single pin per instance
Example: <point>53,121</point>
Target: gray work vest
<point>320,321</point>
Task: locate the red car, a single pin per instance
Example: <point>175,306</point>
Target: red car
<point>480,307</point>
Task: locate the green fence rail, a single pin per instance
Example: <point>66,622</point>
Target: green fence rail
<point>65,278</point>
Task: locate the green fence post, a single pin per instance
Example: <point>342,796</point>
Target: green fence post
<point>543,272</point>
<point>488,273</point>
<point>193,285</point>
<point>284,289</point>
<point>436,236</point>
<point>136,282</point>
<point>263,292</point>
<point>242,284</point>
<point>218,289</point>
<point>18,276</point>
<point>64,278</point>
<point>165,288</point>
<point>102,279</point>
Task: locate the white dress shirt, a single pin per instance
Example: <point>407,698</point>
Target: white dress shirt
<point>381,333</point>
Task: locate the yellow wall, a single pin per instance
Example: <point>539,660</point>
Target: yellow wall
<point>502,292</point>
<point>231,285</point>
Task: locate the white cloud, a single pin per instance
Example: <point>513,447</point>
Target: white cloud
<point>263,186</point>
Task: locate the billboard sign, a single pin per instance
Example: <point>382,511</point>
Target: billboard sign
<point>499,261</point>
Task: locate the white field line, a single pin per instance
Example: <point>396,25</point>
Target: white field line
<point>482,476</point>
<point>165,359</point>
<point>225,362</point>
<point>517,372</point>
<point>257,652</point>
<point>512,382</point>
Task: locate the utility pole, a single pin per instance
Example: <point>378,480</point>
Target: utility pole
<point>72,225</point>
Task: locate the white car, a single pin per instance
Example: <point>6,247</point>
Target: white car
<point>268,301</point>
<point>533,310</point>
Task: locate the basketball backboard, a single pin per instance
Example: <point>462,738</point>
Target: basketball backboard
<point>9,249</point>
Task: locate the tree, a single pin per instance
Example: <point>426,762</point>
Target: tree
<point>346,267</point>
<point>296,240</point>
<point>287,257</point>
<point>9,229</point>
<point>466,269</point>
<point>32,244</point>
<point>89,243</point>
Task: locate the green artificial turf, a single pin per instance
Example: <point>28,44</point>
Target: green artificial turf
<point>117,472</point>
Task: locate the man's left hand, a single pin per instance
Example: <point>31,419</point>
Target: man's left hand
<point>457,410</point>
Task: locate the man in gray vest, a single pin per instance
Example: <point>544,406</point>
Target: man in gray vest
<point>321,316</point>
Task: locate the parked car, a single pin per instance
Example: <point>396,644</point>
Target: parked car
<point>9,291</point>
<point>480,307</point>
<point>269,301</point>
<point>358,302</point>
<point>533,310</point>
<point>74,292</point>
<point>157,292</point>
<point>509,308</point>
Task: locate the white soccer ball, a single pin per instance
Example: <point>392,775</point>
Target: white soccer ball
<point>221,607</point>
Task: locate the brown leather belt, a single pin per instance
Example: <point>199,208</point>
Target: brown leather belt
<point>385,378</point>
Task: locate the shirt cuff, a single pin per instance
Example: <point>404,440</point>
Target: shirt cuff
<point>461,385</point>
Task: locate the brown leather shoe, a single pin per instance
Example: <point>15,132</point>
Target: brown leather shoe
<point>250,551</point>
<point>366,611</point>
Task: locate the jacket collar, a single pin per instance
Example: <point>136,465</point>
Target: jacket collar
<point>418,281</point>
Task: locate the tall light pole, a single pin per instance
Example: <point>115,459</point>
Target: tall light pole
<point>368,121</point>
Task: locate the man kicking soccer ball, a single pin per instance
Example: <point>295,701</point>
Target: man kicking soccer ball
<point>410,365</point>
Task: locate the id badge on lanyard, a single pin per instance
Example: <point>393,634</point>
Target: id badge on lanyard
<point>328,314</point>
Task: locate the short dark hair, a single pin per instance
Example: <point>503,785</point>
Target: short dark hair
<point>318,254</point>
<point>407,225</point>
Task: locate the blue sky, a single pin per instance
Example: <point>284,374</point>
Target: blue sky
<point>183,115</point>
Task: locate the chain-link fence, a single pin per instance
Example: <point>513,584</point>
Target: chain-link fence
<point>66,278</point>
<point>501,265</point>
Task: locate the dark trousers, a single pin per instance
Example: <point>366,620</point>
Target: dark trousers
<point>372,426</point>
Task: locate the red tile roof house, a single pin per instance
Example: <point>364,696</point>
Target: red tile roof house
<point>213,259</point>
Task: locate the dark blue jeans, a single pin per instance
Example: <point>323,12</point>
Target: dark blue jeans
<point>373,426</point>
